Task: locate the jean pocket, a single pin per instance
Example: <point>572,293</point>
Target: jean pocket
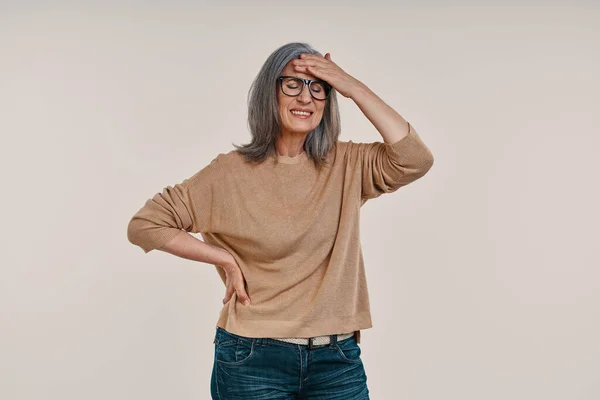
<point>234,352</point>
<point>349,350</point>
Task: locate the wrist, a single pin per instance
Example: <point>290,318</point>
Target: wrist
<point>358,90</point>
<point>226,260</point>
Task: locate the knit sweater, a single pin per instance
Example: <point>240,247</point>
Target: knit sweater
<point>293,230</point>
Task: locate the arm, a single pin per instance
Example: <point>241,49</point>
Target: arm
<point>164,221</point>
<point>187,206</point>
<point>386,120</point>
<point>384,166</point>
<point>189,247</point>
<point>401,159</point>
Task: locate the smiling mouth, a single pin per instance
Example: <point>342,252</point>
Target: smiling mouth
<point>301,114</point>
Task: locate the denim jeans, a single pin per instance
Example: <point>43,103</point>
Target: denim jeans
<point>267,369</point>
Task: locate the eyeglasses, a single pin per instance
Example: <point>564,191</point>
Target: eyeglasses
<point>293,86</point>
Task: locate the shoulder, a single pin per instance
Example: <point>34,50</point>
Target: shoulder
<point>214,170</point>
<point>350,145</point>
<point>344,146</point>
<point>232,159</point>
<point>225,160</point>
<point>349,148</point>
<point>225,163</point>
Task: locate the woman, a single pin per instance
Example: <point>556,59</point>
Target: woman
<point>280,222</point>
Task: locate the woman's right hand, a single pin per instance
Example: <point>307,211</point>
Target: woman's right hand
<point>235,282</point>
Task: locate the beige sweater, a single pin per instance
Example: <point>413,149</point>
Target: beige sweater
<point>293,231</point>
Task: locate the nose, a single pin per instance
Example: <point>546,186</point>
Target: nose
<point>305,96</point>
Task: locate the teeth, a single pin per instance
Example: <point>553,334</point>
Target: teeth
<point>300,112</point>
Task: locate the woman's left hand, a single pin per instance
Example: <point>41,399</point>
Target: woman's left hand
<point>325,69</point>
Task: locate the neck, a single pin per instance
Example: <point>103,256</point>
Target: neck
<point>290,145</point>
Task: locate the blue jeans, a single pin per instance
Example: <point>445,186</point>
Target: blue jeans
<point>267,369</point>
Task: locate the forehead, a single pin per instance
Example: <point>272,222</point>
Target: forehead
<point>289,70</point>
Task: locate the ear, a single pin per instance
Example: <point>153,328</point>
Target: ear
<point>328,56</point>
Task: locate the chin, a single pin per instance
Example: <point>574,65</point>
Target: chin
<point>301,129</point>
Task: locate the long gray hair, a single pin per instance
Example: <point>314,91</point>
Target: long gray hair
<point>263,113</point>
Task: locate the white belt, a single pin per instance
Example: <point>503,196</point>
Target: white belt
<point>317,340</point>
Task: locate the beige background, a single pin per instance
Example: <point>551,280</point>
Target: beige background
<point>484,275</point>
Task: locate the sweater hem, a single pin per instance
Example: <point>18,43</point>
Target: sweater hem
<point>270,328</point>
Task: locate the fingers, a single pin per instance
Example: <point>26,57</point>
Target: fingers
<point>315,57</point>
<point>241,293</point>
<point>316,65</point>
<point>311,62</point>
<point>235,283</point>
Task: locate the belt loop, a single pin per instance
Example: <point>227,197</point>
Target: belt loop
<point>332,341</point>
<point>310,343</point>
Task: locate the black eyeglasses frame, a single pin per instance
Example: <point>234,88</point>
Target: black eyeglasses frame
<point>306,82</point>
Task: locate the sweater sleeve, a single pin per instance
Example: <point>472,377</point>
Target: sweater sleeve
<point>184,206</point>
<point>385,167</point>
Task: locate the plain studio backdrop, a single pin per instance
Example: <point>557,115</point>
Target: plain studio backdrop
<point>484,274</point>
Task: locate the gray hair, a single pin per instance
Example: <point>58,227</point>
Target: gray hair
<point>263,112</point>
